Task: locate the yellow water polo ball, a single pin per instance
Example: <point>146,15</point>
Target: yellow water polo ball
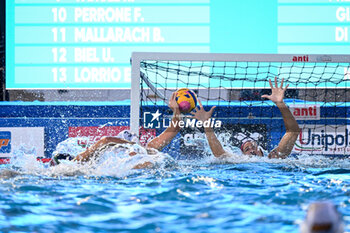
<point>186,99</point>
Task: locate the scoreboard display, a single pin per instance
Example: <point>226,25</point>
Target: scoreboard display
<point>87,44</point>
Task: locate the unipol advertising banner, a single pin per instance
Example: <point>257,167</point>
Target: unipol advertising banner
<point>21,140</point>
<point>58,44</point>
<point>324,140</point>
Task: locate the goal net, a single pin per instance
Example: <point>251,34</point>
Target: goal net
<point>318,97</point>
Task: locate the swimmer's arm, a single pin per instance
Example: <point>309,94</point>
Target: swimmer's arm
<point>143,165</point>
<point>201,115</point>
<point>286,144</point>
<point>214,143</point>
<point>167,136</point>
<point>90,152</point>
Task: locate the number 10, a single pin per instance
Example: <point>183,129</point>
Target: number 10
<point>59,14</point>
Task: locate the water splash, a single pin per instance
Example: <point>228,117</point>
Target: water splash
<point>303,160</point>
<point>117,163</point>
<point>110,162</point>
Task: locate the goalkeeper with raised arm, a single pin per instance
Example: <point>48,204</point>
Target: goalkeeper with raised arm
<point>251,147</point>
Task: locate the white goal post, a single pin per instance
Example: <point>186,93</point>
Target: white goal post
<point>139,57</point>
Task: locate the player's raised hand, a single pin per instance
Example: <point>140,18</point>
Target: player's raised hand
<point>200,114</point>
<point>277,94</point>
<point>173,104</point>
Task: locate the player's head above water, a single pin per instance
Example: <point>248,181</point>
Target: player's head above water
<point>250,147</point>
<point>128,135</point>
<point>322,217</point>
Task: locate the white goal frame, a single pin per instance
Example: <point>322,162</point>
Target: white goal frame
<point>138,57</point>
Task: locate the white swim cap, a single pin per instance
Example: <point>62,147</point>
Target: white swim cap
<point>322,217</point>
<point>72,146</point>
<point>128,135</point>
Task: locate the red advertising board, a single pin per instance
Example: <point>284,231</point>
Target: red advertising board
<point>94,133</point>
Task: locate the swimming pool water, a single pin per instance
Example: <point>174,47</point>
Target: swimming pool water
<point>189,196</point>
